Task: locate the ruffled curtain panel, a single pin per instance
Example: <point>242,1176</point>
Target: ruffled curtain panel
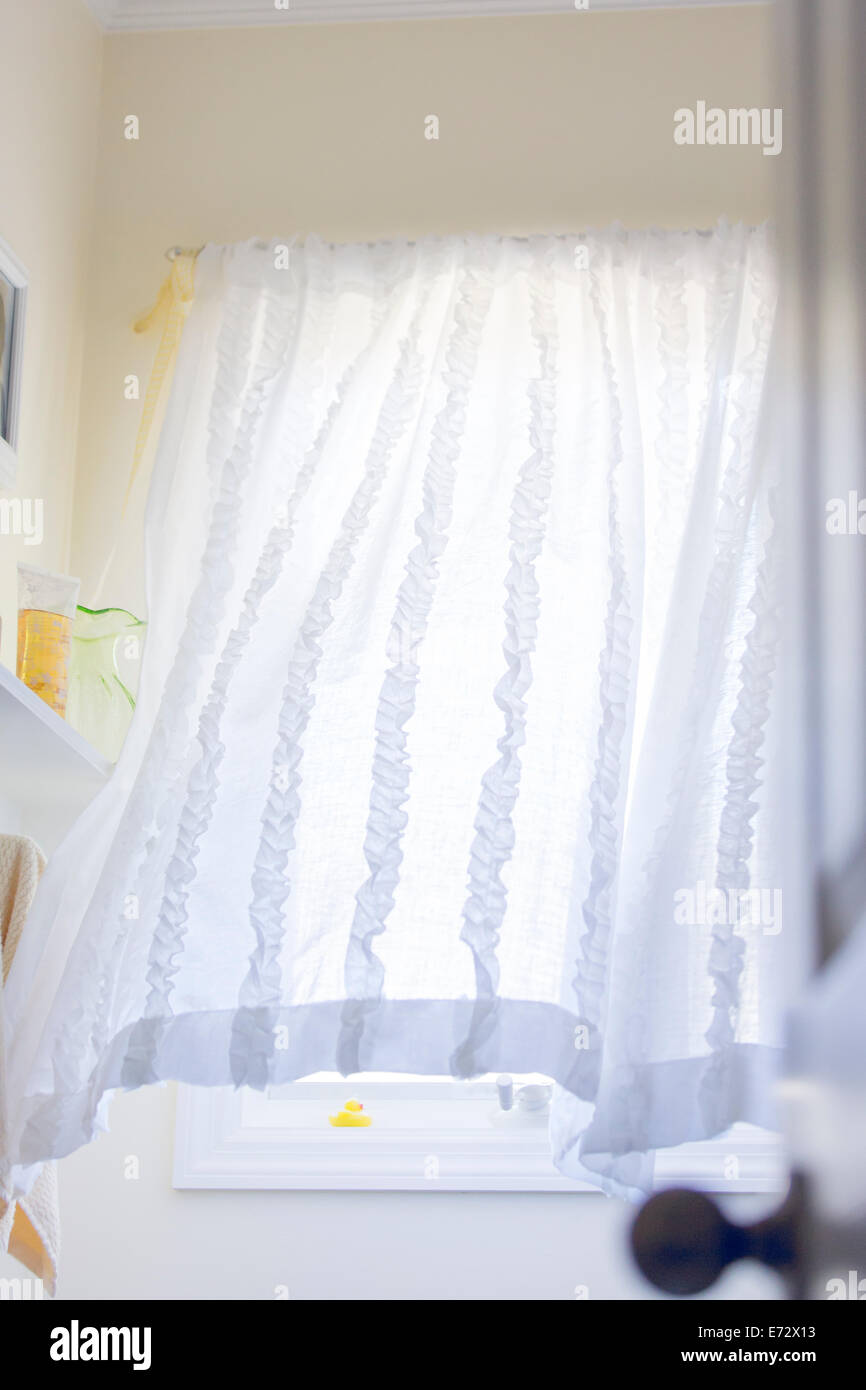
<point>454,744</point>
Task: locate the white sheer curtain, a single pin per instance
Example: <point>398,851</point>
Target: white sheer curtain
<point>459,676</point>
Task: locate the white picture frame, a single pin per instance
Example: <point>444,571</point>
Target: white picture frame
<point>14,282</point>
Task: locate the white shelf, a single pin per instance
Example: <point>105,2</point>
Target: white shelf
<point>48,772</point>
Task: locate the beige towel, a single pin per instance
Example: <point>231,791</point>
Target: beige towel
<point>30,1227</point>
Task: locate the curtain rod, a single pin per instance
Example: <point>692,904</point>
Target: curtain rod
<point>173,252</point>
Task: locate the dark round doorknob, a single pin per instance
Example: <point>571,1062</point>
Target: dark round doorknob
<point>682,1241</point>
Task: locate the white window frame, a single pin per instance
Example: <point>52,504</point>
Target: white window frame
<point>281,1140</point>
<point>16,274</point>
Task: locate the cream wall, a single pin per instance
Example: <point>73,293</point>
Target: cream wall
<point>546,123</point>
<point>50,86</point>
<point>550,123</point>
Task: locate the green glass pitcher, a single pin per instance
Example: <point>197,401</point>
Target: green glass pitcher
<point>106,651</point>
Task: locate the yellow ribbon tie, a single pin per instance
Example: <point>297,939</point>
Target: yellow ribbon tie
<point>174,301</point>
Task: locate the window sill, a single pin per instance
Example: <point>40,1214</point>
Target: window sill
<point>419,1141</point>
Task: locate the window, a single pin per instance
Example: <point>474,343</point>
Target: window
<point>452,748</point>
<point>426,1135</point>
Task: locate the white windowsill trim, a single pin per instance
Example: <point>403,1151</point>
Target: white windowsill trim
<point>228,1139</point>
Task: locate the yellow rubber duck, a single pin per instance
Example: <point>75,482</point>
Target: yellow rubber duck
<point>350,1115</point>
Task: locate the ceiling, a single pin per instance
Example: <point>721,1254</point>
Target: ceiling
<point>120,15</point>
